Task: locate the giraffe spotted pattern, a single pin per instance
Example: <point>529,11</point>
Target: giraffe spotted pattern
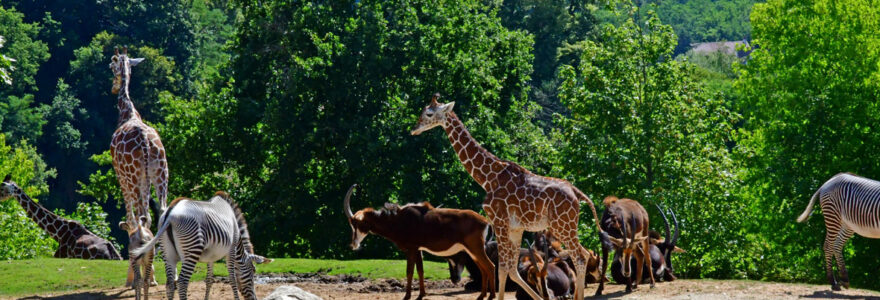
<point>139,162</point>
<point>74,240</point>
<point>516,199</point>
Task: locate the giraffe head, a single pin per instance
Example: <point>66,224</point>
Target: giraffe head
<point>121,66</point>
<point>8,188</point>
<point>138,234</point>
<point>433,115</point>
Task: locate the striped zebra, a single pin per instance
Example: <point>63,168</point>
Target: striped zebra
<point>850,204</point>
<point>205,231</point>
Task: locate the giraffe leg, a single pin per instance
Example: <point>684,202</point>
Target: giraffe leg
<point>508,248</point>
<point>839,242</point>
<point>568,236</point>
<point>148,274</point>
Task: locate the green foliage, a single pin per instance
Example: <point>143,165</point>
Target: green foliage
<point>810,93</point>
<point>62,118</point>
<point>5,65</point>
<point>102,185</point>
<point>697,21</point>
<point>326,95</point>
<point>20,237</point>
<point>23,45</point>
<point>642,127</point>
<point>19,120</point>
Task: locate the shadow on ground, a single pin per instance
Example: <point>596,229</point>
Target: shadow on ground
<point>833,295</point>
<point>80,296</point>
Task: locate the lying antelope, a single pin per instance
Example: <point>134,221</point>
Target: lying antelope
<point>421,227</point>
<point>625,228</point>
<point>661,250</point>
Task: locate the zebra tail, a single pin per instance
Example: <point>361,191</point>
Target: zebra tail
<point>139,252</point>
<point>804,216</point>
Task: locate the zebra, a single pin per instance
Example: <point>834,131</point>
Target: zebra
<point>850,204</point>
<point>205,231</point>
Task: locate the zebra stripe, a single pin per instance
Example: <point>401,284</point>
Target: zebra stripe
<point>204,231</point>
<point>850,204</point>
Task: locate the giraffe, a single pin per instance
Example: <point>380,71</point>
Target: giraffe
<point>74,240</point>
<point>138,159</point>
<point>516,199</point>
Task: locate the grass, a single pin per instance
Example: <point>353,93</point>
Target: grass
<point>47,275</point>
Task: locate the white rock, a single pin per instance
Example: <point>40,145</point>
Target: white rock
<point>289,292</point>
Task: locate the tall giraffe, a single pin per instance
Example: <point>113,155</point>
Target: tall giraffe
<point>138,158</point>
<point>74,240</point>
<point>516,200</point>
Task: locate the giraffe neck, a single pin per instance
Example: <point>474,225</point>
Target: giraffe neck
<point>47,220</point>
<point>124,104</point>
<point>476,159</point>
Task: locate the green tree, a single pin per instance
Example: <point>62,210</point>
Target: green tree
<point>325,95</point>
<point>5,65</point>
<point>642,127</point>
<point>23,45</point>
<point>810,91</point>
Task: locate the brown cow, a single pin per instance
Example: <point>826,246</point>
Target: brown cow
<point>417,227</point>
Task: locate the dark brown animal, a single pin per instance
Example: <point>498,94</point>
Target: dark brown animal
<point>421,227</point>
<point>625,228</point>
<point>661,250</point>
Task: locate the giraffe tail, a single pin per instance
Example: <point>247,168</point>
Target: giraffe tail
<point>584,198</point>
<point>139,252</point>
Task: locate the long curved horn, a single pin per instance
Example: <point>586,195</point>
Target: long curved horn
<point>347,201</point>
<point>677,228</point>
<point>665,221</point>
<point>625,236</point>
<point>434,98</point>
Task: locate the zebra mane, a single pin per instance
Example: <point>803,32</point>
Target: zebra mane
<point>242,224</point>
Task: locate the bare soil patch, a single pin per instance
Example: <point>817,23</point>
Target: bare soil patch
<point>357,287</point>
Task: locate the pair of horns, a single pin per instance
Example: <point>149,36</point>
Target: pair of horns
<point>124,50</point>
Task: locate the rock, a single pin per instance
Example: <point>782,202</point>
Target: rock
<point>289,292</point>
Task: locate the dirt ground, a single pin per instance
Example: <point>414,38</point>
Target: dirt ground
<point>356,287</point>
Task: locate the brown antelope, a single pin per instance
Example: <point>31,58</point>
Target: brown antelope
<point>420,227</point>
<point>625,228</point>
<point>661,253</point>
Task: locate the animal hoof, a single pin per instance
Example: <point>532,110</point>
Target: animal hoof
<point>835,287</point>
<point>845,284</point>
<point>154,283</point>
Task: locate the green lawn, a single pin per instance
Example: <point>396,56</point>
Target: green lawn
<point>28,277</point>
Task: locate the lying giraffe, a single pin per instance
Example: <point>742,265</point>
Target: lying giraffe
<point>74,240</point>
<point>516,200</point>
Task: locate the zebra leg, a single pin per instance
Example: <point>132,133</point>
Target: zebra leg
<point>148,273</point>
<point>186,271</point>
<point>829,256</point>
<point>209,279</point>
<point>842,237</point>
<point>170,271</point>
<point>233,277</point>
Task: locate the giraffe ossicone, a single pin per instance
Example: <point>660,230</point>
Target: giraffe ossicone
<point>516,199</point>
